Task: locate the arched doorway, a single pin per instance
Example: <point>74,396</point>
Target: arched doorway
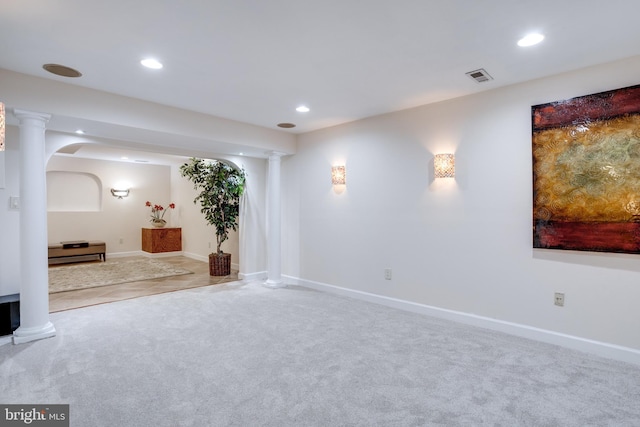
<point>122,219</point>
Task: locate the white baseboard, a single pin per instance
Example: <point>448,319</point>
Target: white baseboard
<point>161,254</point>
<point>196,256</point>
<point>611,351</point>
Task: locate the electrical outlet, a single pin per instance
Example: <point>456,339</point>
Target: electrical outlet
<point>121,240</point>
<point>558,299</point>
<point>209,245</point>
<point>387,274</point>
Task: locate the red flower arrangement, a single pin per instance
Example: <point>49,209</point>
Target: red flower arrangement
<point>158,211</point>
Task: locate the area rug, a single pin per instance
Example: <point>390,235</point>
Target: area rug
<point>70,278</point>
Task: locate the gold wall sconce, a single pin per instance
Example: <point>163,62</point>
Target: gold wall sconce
<point>444,166</point>
<point>338,175</point>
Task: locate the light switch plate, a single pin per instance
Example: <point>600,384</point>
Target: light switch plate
<point>14,203</point>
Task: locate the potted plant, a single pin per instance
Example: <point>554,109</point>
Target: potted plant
<point>221,187</point>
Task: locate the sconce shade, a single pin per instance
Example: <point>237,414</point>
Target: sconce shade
<point>338,175</point>
<point>2,122</point>
<point>119,193</point>
<point>444,166</point>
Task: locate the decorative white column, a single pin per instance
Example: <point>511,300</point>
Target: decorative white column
<point>34,286</point>
<point>274,278</point>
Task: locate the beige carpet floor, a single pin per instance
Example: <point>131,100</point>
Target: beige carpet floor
<point>244,355</point>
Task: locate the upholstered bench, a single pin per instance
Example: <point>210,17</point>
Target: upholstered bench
<point>77,248</point>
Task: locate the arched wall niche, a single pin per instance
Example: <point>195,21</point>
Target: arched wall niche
<point>69,191</point>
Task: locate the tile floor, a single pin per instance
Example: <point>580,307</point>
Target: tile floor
<point>61,301</point>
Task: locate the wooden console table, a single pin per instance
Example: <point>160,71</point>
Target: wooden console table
<point>155,240</point>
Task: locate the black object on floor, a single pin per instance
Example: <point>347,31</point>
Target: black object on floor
<point>9,313</point>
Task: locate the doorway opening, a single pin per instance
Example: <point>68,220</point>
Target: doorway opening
<point>120,222</point>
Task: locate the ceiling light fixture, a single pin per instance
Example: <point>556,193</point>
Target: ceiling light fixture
<point>286,125</point>
<point>302,109</point>
<point>530,40</point>
<point>80,132</point>
<point>154,64</point>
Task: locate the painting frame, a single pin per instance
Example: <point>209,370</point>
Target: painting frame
<point>586,172</point>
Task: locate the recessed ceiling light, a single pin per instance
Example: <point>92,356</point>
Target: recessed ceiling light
<point>124,158</point>
<point>302,109</point>
<point>530,39</point>
<point>62,70</point>
<point>151,63</point>
<point>80,132</point>
<point>286,125</point>
<point>241,154</point>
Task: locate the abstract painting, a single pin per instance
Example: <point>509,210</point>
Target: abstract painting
<point>586,172</point>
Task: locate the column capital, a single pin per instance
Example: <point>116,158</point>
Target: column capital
<point>24,114</point>
<point>276,154</point>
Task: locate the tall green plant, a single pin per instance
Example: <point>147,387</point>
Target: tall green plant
<point>221,187</point>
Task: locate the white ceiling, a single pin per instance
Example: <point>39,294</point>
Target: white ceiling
<point>254,61</point>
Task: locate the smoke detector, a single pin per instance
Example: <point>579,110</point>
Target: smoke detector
<point>480,75</point>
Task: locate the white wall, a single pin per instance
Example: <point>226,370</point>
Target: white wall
<point>462,244</point>
<point>252,231</point>
<point>10,219</point>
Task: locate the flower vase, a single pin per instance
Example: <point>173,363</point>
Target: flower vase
<point>158,223</point>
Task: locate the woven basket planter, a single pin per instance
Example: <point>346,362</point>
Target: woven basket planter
<point>219,265</point>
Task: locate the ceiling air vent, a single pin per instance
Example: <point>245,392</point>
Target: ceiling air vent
<point>479,75</point>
